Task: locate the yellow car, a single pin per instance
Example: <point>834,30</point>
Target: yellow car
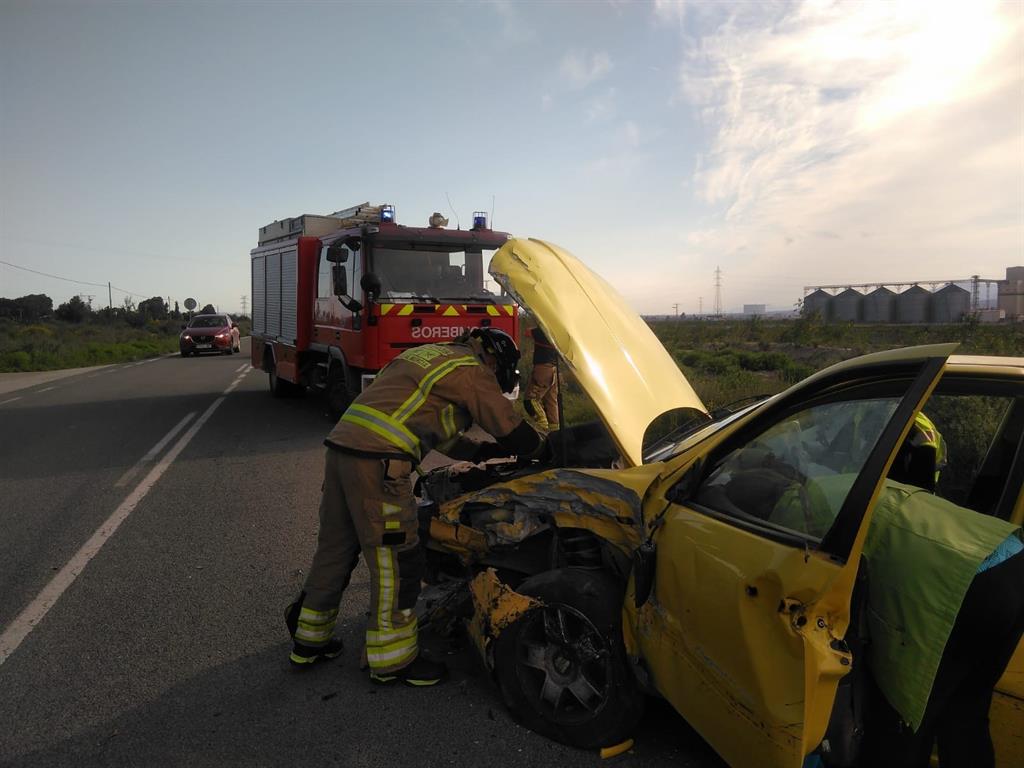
<point>717,567</point>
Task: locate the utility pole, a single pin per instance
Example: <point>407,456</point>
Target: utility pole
<point>676,308</point>
<point>700,306</point>
<point>975,294</point>
<point>245,304</point>
<point>718,292</point>
<point>110,298</point>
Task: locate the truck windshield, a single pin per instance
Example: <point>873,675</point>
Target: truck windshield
<point>422,275</point>
<point>208,321</point>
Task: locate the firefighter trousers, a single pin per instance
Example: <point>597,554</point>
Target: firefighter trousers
<point>541,398</point>
<point>366,506</point>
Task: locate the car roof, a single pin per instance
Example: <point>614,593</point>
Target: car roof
<point>985,361</point>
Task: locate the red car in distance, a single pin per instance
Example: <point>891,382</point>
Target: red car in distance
<point>209,333</point>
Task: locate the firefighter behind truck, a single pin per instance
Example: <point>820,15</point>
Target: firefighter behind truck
<point>337,297</point>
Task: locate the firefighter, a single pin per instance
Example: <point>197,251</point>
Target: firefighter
<point>425,398</point>
<point>541,398</point>
<point>945,614</point>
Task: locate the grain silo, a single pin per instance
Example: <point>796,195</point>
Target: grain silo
<point>846,307</point>
<point>819,301</point>
<point>912,305</point>
<point>951,304</point>
<point>879,306</point>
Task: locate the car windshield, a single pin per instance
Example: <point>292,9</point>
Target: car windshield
<point>208,321</point>
<point>428,275</point>
<point>674,444</point>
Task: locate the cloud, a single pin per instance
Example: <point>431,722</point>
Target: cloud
<point>578,70</point>
<point>827,120</point>
<point>602,107</point>
<point>513,28</point>
<point>632,133</point>
<point>670,11</point>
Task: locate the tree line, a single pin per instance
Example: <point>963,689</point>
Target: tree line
<point>38,306</point>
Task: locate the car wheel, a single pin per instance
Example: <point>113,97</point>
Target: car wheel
<point>183,353</point>
<point>562,667</point>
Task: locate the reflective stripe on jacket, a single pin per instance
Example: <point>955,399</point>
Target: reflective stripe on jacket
<point>426,396</point>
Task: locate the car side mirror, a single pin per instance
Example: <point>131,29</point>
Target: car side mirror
<point>688,483</point>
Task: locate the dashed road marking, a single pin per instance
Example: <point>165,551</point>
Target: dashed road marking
<point>45,389</point>
<point>153,452</point>
<point>36,611</point>
<point>10,400</point>
<point>241,368</point>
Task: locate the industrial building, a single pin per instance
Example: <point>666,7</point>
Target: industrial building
<point>947,301</point>
<point>1011,294</point>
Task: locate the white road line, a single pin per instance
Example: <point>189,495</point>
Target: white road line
<point>11,400</point>
<point>153,452</point>
<point>241,368</point>
<point>29,618</point>
<point>45,389</point>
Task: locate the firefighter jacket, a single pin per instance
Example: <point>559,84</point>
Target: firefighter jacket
<point>544,351</point>
<point>425,398</point>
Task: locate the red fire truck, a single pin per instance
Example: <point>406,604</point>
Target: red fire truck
<point>336,297</point>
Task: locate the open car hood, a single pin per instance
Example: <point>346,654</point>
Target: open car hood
<point>610,350</point>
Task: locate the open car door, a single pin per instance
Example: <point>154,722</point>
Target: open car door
<point>758,552</point>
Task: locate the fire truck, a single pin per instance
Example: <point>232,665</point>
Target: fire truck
<point>336,297</point>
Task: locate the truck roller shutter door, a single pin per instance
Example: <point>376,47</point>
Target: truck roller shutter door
<point>289,296</point>
<point>259,295</point>
<point>274,295</point>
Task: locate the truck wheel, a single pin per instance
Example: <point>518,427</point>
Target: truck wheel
<point>279,387</point>
<point>339,393</point>
<point>562,667</point>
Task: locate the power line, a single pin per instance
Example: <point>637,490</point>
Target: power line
<point>70,280</point>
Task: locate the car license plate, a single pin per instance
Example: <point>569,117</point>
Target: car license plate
<point>204,346</point>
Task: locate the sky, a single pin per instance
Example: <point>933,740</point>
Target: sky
<point>786,144</point>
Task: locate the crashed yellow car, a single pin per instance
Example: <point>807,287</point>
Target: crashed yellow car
<point>628,566</point>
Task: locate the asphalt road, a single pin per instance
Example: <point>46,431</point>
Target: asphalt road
<point>155,520</point>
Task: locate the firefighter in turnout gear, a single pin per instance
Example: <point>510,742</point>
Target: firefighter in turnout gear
<point>541,397</point>
<point>424,399</point>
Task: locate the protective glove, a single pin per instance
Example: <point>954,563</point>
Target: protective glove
<point>488,451</point>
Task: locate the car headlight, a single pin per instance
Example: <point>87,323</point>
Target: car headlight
<point>187,337</point>
<point>223,335</point>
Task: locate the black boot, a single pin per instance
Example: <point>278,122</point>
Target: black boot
<point>303,655</point>
<point>422,672</point>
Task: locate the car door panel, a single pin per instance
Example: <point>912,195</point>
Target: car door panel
<point>743,633</point>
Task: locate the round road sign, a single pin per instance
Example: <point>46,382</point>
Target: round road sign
<point>190,303</point>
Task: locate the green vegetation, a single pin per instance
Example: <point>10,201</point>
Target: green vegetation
<point>36,337</point>
<point>53,344</point>
<point>729,360</point>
